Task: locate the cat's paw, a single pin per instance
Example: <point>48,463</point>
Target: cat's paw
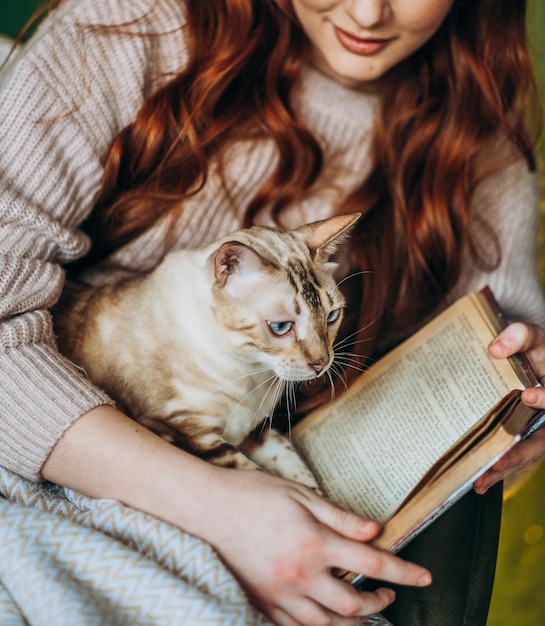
<point>307,479</point>
<point>317,490</point>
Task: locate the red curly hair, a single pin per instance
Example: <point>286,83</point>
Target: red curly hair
<point>471,83</point>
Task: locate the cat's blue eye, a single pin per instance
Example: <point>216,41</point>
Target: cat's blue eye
<point>280,328</point>
<point>333,316</point>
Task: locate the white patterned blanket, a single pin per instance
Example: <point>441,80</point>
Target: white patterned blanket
<point>67,559</point>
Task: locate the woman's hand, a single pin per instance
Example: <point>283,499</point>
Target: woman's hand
<point>528,338</point>
<point>282,540</point>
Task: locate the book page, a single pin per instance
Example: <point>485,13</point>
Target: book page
<point>458,477</point>
<point>371,447</point>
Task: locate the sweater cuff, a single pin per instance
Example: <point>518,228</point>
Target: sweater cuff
<point>42,395</point>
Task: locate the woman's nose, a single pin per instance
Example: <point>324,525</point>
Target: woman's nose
<point>368,13</point>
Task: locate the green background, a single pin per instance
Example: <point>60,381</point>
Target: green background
<point>14,13</point>
<point>519,591</point>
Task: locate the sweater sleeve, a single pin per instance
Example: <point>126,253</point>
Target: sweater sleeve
<point>62,101</point>
<point>507,202</point>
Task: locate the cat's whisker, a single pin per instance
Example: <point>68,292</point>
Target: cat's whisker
<point>276,387</point>
<point>352,364</point>
<point>254,372</point>
<point>348,343</point>
<point>236,379</point>
<point>291,397</point>
<point>269,395</point>
<point>294,395</point>
<point>347,339</point>
<point>354,356</point>
<point>339,373</point>
<point>331,383</point>
<point>264,424</point>
<point>353,276</point>
<point>270,380</point>
<point>288,394</point>
<point>276,400</point>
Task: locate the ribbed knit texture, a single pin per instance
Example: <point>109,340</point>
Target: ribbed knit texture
<point>62,101</point>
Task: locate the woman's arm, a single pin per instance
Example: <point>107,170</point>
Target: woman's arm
<point>280,539</point>
<point>62,101</point>
<point>507,203</point>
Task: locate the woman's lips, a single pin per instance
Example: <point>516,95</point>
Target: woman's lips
<point>357,45</point>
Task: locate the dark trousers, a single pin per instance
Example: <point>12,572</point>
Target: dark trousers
<point>460,550</point>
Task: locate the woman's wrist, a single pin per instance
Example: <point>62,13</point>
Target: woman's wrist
<point>105,454</point>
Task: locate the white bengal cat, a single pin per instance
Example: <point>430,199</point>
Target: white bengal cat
<point>201,349</point>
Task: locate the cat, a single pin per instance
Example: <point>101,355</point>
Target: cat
<point>200,349</point>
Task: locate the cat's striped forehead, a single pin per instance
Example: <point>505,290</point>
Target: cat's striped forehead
<point>276,248</point>
<point>306,284</point>
<point>288,254</point>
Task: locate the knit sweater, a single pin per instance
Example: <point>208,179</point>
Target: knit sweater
<point>63,100</point>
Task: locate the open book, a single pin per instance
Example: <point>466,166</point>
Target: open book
<point>420,425</point>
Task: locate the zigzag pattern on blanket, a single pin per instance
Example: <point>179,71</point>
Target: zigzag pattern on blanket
<point>97,562</point>
<point>68,559</point>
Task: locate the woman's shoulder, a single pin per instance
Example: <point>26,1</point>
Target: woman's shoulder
<point>146,14</point>
<point>98,51</point>
<point>146,32</point>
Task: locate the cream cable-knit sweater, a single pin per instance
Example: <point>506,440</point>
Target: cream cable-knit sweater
<point>61,103</point>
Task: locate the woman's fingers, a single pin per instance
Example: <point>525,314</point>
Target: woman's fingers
<point>520,337</point>
<point>340,520</point>
<point>308,611</point>
<point>530,339</point>
<point>343,553</point>
<point>378,564</point>
<point>523,455</point>
<point>534,397</point>
<point>345,600</point>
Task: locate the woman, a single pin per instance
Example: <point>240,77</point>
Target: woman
<point>129,127</point>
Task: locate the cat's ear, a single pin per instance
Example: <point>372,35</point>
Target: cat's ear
<point>325,236</point>
<point>234,258</point>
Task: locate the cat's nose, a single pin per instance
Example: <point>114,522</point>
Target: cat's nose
<point>318,366</point>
